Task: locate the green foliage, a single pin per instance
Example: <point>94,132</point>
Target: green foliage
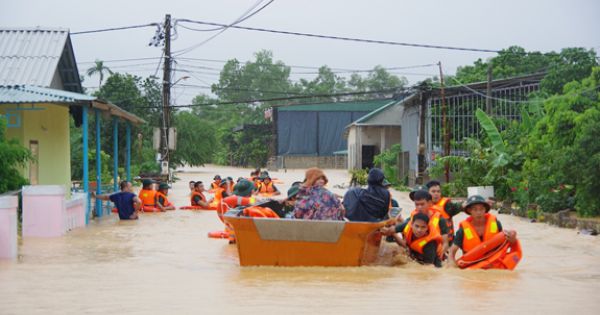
<point>359,176</point>
<point>13,156</point>
<point>388,160</point>
<point>195,142</point>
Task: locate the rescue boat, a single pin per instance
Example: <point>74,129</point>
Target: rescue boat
<point>293,242</point>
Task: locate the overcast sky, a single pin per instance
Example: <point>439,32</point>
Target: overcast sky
<point>535,25</point>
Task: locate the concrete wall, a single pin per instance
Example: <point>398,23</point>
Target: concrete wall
<point>410,139</point>
<point>304,162</point>
<point>382,137</point>
<point>50,128</point>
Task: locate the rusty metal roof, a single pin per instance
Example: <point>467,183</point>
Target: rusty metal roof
<point>33,56</point>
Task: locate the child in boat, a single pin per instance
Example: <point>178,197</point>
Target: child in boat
<point>162,202</point>
<point>266,186</point>
<point>198,199</point>
<point>147,193</point>
<point>444,206</point>
<point>126,201</point>
<point>479,227</point>
<point>422,242</point>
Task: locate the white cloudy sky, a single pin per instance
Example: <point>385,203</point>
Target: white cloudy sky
<point>535,25</point>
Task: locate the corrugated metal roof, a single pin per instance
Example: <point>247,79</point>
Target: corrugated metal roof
<point>18,94</point>
<point>31,55</point>
<point>359,106</point>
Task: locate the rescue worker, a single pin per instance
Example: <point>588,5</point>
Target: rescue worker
<point>422,242</point>
<point>444,206</point>
<point>147,193</point>
<point>266,186</point>
<point>216,183</point>
<point>479,227</point>
<point>198,199</point>
<point>161,200</point>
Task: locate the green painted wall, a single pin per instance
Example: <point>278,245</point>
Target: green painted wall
<point>50,127</point>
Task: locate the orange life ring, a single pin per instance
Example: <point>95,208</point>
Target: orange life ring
<point>115,210</point>
<point>198,208</point>
<point>496,253</point>
<point>218,234</point>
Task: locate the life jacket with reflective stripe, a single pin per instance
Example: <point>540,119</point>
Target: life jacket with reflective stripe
<point>434,231</point>
<point>440,207</point>
<point>471,239</point>
<point>266,188</point>
<point>194,195</point>
<point>147,197</point>
<point>418,244</point>
<point>166,200</point>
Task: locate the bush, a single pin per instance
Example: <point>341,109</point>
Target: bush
<point>359,177</point>
<point>388,161</point>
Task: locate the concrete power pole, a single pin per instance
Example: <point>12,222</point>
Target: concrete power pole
<point>166,91</point>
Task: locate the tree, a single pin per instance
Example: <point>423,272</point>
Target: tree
<point>195,141</point>
<point>98,68</point>
<point>13,156</point>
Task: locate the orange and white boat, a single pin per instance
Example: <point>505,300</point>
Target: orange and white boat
<point>293,242</point>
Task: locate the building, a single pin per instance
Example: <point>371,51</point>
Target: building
<point>313,135</point>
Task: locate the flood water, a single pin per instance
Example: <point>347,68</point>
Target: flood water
<point>165,264</point>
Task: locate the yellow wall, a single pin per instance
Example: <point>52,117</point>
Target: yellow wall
<point>50,127</point>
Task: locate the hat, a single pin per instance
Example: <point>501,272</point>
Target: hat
<point>263,175</point>
<point>476,199</point>
<point>293,191</point>
<point>311,176</point>
<point>411,195</point>
<point>386,183</point>
<point>147,182</point>
<point>163,186</point>
<point>243,188</point>
<point>230,178</point>
<point>217,177</point>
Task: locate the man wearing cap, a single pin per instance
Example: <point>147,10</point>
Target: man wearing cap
<point>265,186</point>
<point>242,196</point>
<point>161,200</point>
<point>126,201</point>
<point>290,201</point>
<point>147,193</point>
<point>479,227</point>
<point>216,182</point>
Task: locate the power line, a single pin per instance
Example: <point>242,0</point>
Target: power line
<point>363,40</point>
<point>114,29</point>
<point>242,18</point>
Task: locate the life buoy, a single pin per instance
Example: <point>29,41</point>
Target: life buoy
<point>115,210</point>
<point>260,212</point>
<point>495,253</point>
<point>218,234</point>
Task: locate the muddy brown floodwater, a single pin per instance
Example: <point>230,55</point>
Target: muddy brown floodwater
<point>165,264</point>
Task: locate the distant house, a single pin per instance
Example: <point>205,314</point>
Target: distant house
<point>313,135</point>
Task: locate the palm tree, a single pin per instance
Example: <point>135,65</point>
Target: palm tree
<point>98,68</point>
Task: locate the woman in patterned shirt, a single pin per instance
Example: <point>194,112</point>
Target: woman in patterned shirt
<point>314,201</point>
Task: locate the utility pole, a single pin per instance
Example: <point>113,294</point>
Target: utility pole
<point>445,124</point>
<point>166,91</point>
<point>488,99</point>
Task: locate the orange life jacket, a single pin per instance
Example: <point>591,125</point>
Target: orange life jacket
<point>233,202</point>
<point>266,188</point>
<point>147,197</point>
<point>440,207</point>
<point>471,238</point>
<point>214,185</point>
<point>194,194</point>
<point>418,244</point>
<point>434,231</point>
<point>260,212</point>
<point>166,202</point>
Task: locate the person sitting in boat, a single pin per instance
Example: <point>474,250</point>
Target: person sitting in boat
<point>191,186</point>
<point>314,201</point>
<point>371,204</point>
<point>290,202</point>
<point>266,186</point>
<point>147,193</point>
<point>479,227</point>
<point>198,199</point>
<point>161,200</point>
<point>444,206</point>
<point>216,183</point>
<point>230,185</point>
<point>423,243</point>
<point>127,203</point>
<point>424,204</point>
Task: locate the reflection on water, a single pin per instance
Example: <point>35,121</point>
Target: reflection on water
<point>165,263</point>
